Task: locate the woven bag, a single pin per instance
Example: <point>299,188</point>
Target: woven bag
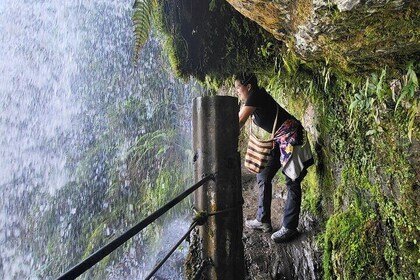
<point>258,151</point>
<point>257,154</point>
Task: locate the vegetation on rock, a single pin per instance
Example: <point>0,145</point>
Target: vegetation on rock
<point>364,132</point>
<point>365,186</point>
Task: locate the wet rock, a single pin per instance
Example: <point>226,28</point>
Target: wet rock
<point>297,259</point>
<point>342,32</point>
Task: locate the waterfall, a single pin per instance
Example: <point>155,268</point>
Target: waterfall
<point>70,102</point>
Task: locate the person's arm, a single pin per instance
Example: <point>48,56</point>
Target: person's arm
<point>244,114</point>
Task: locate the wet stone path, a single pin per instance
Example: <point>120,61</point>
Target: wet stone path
<point>297,259</point>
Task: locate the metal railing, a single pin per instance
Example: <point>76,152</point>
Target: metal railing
<point>97,256</point>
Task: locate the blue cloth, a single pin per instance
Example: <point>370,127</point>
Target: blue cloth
<point>294,193</point>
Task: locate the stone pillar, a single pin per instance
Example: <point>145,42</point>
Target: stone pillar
<point>215,144</point>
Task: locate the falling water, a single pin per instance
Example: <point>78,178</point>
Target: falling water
<point>66,77</point>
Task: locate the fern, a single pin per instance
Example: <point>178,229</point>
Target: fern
<point>142,21</point>
<point>381,87</point>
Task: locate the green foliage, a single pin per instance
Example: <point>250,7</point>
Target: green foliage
<point>363,186</point>
<point>290,61</point>
<point>169,183</point>
<point>142,22</point>
<point>370,101</point>
<point>140,161</point>
<point>266,51</point>
<point>410,95</point>
<point>374,100</point>
<point>413,114</point>
<point>411,86</point>
<point>311,187</point>
<point>212,5</point>
<point>352,244</point>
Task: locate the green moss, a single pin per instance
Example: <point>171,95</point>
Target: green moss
<point>351,240</point>
<point>312,198</point>
<point>363,187</point>
<point>365,42</point>
<point>94,241</point>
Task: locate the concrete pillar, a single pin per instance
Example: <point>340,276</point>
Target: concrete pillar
<point>215,144</point>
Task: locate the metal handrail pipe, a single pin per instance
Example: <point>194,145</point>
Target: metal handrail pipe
<point>97,256</point>
<point>156,268</point>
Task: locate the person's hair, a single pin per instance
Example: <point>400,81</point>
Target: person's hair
<point>247,78</point>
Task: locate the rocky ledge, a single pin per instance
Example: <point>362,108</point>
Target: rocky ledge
<point>297,259</point>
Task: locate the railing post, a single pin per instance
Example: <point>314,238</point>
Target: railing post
<point>215,144</point>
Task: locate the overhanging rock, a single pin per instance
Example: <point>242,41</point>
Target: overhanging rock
<point>343,32</point>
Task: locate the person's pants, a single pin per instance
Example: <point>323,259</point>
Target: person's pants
<point>294,193</point>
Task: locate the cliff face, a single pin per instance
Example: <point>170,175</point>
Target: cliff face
<point>348,70</point>
<point>347,33</point>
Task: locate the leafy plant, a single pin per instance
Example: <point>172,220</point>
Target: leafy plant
<point>142,22</point>
<point>410,87</point>
<point>410,95</point>
<point>412,115</point>
<point>370,100</point>
<point>266,50</point>
<point>326,75</point>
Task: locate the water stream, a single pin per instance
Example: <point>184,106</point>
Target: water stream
<point>73,108</point>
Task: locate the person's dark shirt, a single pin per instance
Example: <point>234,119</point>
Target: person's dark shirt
<point>265,112</point>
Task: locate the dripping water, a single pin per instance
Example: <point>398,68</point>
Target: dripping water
<point>67,82</point>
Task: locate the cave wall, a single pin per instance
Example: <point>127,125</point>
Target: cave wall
<point>209,40</point>
<point>348,70</point>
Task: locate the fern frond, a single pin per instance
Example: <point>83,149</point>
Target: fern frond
<point>142,21</point>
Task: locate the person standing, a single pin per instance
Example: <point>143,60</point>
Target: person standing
<point>288,154</point>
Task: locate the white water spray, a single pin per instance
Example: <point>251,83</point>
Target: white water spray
<point>62,65</point>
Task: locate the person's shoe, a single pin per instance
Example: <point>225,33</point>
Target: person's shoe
<point>283,235</point>
<point>255,224</point>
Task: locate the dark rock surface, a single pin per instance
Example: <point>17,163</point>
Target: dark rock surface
<point>297,259</point>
